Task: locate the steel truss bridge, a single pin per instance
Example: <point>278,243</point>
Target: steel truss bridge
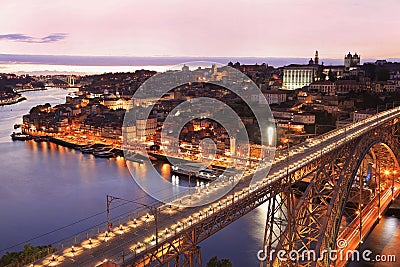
<point>339,202</point>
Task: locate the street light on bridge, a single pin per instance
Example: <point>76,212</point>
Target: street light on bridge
<point>152,209</point>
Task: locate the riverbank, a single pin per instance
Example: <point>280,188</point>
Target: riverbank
<point>112,150</point>
<point>17,97</point>
<point>64,143</point>
<point>29,89</point>
<point>12,100</point>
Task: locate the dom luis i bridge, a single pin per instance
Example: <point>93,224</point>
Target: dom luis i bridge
<point>351,175</point>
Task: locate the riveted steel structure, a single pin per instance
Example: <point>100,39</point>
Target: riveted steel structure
<point>312,222</point>
<point>315,222</point>
<point>336,197</point>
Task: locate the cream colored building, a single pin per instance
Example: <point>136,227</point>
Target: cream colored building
<point>273,97</point>
<point>117,103</point>
<point>304,118</point>
<point>146,128</point>
<point>130,133</point>
<point>298,76</point>
<point>326,87</point>
<point>362,114</point>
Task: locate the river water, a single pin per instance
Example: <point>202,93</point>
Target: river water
<point>44,187</point>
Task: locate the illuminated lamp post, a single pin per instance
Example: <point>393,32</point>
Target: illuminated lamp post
<point>153,210</point>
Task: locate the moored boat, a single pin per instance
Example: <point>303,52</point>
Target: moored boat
<point>104,154</point>
<point>90,149</point>
<point>205,174</point>
<point>136,160</point>
<point>20,136</point>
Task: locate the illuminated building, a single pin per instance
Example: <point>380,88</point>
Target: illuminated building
<point>299,76</point>
<point>346,86</point>
<point>363,114</point>
<point>116,103</point>
<point>146,128</point>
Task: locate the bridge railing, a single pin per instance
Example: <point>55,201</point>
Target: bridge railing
<point>97,233</point>
<point>140,212</point>
<point>375,119</point>
<point>93,233</point>
<point>341,131</point>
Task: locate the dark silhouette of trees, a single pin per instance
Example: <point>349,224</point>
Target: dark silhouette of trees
<point>332,76</point>
<point>214,262</point>
<point>26,256</point>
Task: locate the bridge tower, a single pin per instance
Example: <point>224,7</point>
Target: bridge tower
<point>71,80</point>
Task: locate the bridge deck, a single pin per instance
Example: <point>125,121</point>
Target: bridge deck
<point>371,214</point>
<point>139,238</point>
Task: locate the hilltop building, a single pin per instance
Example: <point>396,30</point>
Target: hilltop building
<point>351,60</point>
<point>298,76</point>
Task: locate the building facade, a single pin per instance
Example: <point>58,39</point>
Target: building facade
<point>298,76</point>
<point>326,87</point>
<point>273,97</point>
<point>351,60</point>
<point>362,114</point>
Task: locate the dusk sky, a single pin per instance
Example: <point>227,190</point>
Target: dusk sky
<point>240,28</point>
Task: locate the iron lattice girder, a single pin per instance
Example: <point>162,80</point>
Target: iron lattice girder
<point>169,249</point>
<point>319,211</point>
<point>199,231</point>
<point>303,219</point>
<point>314,225</point>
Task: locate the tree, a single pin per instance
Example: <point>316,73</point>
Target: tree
<point>332,76</point>
<point>320,73</point>
<point>383,74</point>
<point>225,263</point>
<point>214,262</point>
<point>370,70</point>
<point>25,256</point>
<point>39,108</point>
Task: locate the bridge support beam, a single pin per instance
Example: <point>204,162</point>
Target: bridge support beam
<point>317,217</point>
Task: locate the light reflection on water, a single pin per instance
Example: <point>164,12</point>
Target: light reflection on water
<point>44,186</point>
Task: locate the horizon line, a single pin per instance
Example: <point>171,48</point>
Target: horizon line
<point>38,56</point>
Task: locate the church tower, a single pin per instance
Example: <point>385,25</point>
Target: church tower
<point>347,60</point>
<point>214,69</point>
<point>316,60</point>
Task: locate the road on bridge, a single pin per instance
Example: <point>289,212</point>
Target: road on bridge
<point>141,236</point>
